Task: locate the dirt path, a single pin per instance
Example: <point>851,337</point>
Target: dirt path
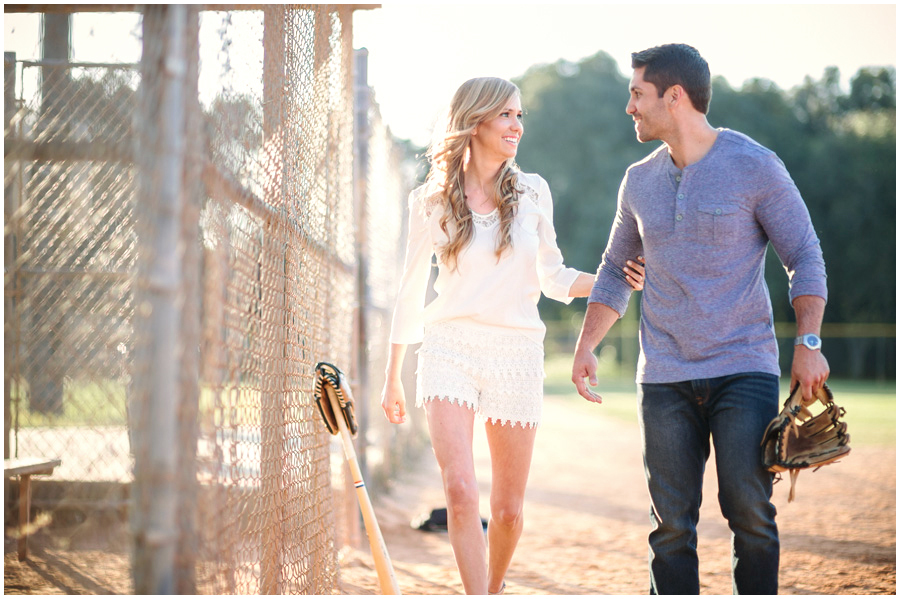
<point>587,521</point>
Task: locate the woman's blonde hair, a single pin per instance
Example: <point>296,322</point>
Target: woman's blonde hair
<point>476,100</point>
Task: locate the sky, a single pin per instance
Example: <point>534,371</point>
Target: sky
<point>420,53</point>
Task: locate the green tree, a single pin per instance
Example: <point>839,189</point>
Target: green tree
<point>873,89</point>
<point>578,137</point>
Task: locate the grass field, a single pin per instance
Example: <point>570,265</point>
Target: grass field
<point>85,403</point>
<point>871,405</point>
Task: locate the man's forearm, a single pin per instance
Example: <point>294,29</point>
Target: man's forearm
<point>809,310</point>
<point>809,368</point>
<point>598,319</point>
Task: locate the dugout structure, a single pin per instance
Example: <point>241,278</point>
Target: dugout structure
<point>188,231</point>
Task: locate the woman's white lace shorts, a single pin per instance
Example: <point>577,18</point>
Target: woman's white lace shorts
<point>499,375</point>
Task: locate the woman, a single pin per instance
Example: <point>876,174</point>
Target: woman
<point>491,227</point>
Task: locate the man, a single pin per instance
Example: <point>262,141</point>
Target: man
<point>701,210</point>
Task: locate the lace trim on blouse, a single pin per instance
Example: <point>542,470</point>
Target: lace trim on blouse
<point>493,217</point>
<point>485,220</point>
<point>529,192</point>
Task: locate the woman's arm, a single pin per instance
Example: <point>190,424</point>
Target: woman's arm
<point>407,325</point>
<point>634,270</point>
<point>393,399</point>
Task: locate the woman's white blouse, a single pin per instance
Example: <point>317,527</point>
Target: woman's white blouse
<point>483,291</point>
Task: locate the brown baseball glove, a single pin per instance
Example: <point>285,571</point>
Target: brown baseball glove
<point>330,381</point>
<point>796,439</point>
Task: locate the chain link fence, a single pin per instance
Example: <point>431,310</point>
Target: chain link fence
<point>186,237</point>
<point>385,170</point>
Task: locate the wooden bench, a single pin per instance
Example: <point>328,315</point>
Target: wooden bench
<point>24,468</point>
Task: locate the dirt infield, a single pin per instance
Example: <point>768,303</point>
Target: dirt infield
<point>586,521</point>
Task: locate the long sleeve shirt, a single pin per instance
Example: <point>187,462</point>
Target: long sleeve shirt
<point>483,291</point>
<point>703,230</point>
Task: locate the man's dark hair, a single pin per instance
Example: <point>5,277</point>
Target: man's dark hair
<point>676,64</point>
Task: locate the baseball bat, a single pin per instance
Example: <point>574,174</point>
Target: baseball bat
<point>383,567</point>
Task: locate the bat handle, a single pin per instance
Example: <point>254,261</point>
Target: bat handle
<point>383,567</point>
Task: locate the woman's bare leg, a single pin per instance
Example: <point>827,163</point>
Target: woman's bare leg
<point>511,450</point>
<point>451,429</point>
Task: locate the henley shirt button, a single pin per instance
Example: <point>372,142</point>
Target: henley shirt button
<point>678,178</point>
<point>680,196</point>
<point>679,217</point>
<point>718,211</point>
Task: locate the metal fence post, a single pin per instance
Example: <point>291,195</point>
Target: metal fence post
<point>45,372</point>
<point>9,242</point>
<point>361,136</point>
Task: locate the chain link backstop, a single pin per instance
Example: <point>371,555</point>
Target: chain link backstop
<point>185,238</point>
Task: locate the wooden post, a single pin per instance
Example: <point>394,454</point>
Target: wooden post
<point>160,163</point>
<point>24,515</point>
<point>188,411</point>
<point>273,253</point>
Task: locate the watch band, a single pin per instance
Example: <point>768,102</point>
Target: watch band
<point>809,340</point>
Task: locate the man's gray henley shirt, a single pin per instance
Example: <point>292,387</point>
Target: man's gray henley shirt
<point>703,230</point>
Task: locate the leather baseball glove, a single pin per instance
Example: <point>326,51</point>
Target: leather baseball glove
<point>796,439</point>
<point>330,381</point>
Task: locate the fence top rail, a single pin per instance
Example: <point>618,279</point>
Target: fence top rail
<point>783,330</point>
<point>843,329</point>
<point>61,62</point>
<point>73,8</point>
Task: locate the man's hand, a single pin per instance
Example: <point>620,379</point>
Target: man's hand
<point>584,370</point>
<point>810,369</point>
<point>597,321</point>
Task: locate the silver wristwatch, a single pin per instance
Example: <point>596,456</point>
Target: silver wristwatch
<point>809,340</point>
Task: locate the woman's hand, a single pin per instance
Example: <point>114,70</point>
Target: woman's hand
<point>634,270</point>
<point>393,400</point>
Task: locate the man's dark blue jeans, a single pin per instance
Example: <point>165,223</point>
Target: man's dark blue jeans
<point>677,420</point>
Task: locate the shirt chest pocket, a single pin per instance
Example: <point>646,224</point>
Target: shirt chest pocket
<point>717,223</point>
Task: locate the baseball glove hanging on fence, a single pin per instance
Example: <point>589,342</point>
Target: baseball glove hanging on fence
<point>796,439</point>
<point>330,380</point>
